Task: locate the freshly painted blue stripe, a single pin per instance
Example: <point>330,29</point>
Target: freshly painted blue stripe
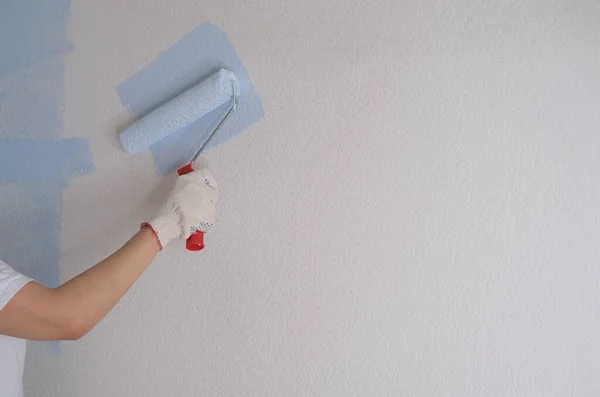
<point>31,30</point>
<point>193,58</point>
<point>30,233</point>
<point>33,107</point>
<point>35,163</point>
<point>39,161</point>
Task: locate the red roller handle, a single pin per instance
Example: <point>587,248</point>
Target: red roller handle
<point>196,241</point>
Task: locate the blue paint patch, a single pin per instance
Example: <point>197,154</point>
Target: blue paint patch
<point>30,31</point>
<point>38,161</point>
<point>30,234</point>
<point>34,104</point>
<point>193,58</point>
<point>35,163</point>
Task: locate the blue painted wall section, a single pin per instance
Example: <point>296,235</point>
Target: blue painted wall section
<point>196,56</point>
<point>32,30</point>
<point>36,163</point>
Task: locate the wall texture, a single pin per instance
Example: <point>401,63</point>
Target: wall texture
<point>417,215</point>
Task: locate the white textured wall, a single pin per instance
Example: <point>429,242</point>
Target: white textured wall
<point>418,214</point>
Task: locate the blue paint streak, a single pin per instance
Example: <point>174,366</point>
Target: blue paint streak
<point>34,104</point>
<point>30,234</point>
<point>33,39</point>
<point>193,58</point>
<point>30,31</point>
<point>33,161</point>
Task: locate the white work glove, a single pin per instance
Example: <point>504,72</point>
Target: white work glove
<point>191,206</point>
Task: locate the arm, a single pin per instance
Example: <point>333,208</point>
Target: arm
<point>73,309</point>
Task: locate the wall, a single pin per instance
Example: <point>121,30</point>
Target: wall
<point>417,214</point>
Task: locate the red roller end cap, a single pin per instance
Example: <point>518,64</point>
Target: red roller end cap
<point>195,242</point>
<point>186,169</point>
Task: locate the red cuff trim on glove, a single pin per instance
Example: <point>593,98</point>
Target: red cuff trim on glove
<point>153,232</point>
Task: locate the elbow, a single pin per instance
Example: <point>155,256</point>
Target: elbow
<point>70,325</point>
<point>74,329</point>
<point>73,332</point>
<point>56,316</point>
<point>68,318</point>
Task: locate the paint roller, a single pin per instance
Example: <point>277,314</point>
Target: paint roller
<point>183,110</point>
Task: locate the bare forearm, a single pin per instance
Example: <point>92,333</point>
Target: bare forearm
<point>73,309</point>
<point>93,293</point>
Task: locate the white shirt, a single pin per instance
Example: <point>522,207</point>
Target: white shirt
<point>12,350</point>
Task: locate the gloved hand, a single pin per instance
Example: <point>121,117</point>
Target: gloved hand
<point>191,206</point>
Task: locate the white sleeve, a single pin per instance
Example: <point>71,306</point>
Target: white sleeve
<point>11,282</point>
